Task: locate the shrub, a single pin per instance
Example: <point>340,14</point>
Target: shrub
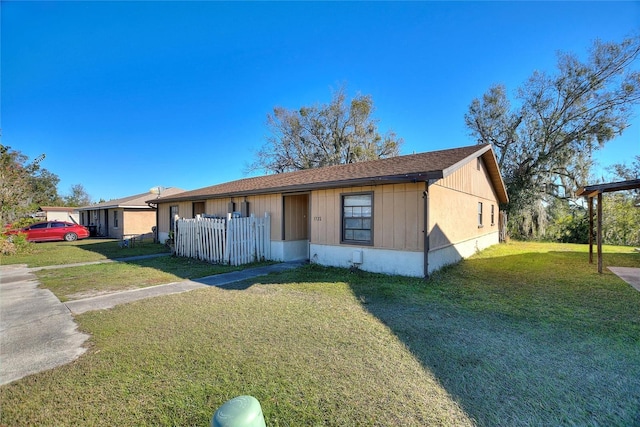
<point>14,244</point>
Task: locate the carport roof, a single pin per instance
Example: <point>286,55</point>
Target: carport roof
<point>592,190</point>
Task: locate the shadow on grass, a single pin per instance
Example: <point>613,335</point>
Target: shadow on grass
<point>527,339</point>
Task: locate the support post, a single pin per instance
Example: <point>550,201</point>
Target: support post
<point>599,232</point>
<point>590,229</point>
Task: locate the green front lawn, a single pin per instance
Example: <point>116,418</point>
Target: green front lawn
<point>86,250</point>
<point>85,281</point>
<point>520,334</point>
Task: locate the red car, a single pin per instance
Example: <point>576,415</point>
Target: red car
<point>53,230</point>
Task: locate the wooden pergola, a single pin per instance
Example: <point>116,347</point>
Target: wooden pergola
<point>595,191</point>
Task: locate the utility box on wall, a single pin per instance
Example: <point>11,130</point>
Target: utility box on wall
<point>356,257</point>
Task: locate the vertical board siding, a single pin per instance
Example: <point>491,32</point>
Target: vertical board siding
<point>397,215</point>
<point>453,213</point>
<point>258,205</point>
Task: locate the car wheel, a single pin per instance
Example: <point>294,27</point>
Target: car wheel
<point>70,237</point>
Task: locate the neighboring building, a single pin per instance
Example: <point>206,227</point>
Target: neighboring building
<point>118,218</point>
<point>58,213</point>
<point>369,214</point>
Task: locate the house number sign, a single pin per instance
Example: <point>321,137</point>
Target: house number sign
<point>317,218</point>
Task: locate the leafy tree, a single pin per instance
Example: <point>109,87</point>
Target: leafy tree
<point>621,210</point>
<point>620,220</point>
<point>626,172</point>
<point>337,133</point>
<point>569,222</point>
<point>23,185</point>
<point>78,196</point>
<point>44,189</point>
<point>544,141</point>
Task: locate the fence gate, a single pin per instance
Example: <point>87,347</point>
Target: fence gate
<point>234,241</point>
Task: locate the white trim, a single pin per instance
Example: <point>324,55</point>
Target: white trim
<point>452,254</point>
<point>289,250</point>
<point>405,263</point>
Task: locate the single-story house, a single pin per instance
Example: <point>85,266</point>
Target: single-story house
<point>128,216</point>
<point>58,213</point>
<point>407,215</point>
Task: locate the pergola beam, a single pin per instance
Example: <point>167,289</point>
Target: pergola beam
<point>593,191</point>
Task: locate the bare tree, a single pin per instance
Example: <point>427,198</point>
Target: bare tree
<point>336,133</point>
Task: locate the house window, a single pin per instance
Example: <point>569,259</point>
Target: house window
<point>493,215</point>
<point>115,219</point>
<point>479,214</point>
<point>173,212</point>
<point>357,218</point>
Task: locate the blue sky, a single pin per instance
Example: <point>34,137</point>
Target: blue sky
<point>125,96</point>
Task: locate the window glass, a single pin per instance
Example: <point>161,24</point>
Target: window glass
<point>38,226</point>
<point>357,222</point>
<point>58,225</point>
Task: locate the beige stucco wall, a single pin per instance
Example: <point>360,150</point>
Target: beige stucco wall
<point>138,221</point>
<point>61,215</point>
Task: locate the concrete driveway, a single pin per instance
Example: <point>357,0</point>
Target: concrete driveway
<point>37,331</point>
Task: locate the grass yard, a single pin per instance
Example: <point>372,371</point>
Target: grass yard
<point>520,334</point>
<point>86,250</point>
<point>73,283</point>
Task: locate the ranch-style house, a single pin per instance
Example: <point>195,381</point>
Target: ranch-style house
<point>407,215</point>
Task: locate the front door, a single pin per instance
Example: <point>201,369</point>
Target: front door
<point>295,226</point>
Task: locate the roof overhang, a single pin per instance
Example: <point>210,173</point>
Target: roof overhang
<point>343,180</point>
<point>391,179</point>
<point>594,190</point>
<point>493,169</point>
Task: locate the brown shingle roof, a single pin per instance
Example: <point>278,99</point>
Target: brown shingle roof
<point>410,168</point>
<point>138,201</point>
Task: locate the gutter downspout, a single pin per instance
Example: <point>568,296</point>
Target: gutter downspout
<point>425,231</point>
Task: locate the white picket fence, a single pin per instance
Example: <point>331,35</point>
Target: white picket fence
<point>234,241</point>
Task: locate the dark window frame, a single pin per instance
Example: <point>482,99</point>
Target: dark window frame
<point>364,219</point>
<point>480,225</point>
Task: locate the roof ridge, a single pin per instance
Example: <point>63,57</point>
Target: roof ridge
<point>416,166</point>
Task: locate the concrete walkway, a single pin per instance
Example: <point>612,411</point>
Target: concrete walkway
<point>111,300</point>
<point>37,331</point>
<point>628,274</point>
